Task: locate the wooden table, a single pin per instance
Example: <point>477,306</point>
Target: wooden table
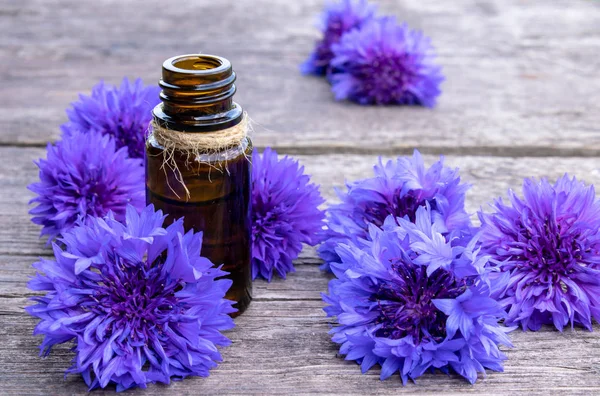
<point>521,99</point>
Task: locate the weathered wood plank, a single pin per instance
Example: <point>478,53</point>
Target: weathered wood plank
<point>521,76</point>
<point>283,347</point>
<point>490,177</point>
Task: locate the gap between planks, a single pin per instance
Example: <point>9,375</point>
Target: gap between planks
<point>478,151</point>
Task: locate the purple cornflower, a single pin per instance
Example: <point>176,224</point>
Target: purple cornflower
<point>548,243</point>
<point>82,175</point>
<point>412,300</point>
<point>285,213</point>
<point>385,63</point>
<point>337,19</point>
<point>140,302</point>
<point>398,188</point>
<point>124,113</point>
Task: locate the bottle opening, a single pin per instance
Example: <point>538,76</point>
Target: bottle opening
<point>197,62</point>
<point>198,65</point>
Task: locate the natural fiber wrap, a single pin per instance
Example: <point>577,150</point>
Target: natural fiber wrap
<point>196,145</point>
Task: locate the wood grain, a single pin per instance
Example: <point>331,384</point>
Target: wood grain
<point>490,177</point>
<point>522,77</point>
<point>520,100</point>
<point>281,345</point>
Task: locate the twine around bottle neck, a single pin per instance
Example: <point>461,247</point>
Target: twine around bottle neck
<point>194,146</point>
<point>201,142</point>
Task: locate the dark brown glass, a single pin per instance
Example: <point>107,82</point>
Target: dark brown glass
<point>196,96</point>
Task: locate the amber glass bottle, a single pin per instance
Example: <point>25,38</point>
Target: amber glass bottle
<point>210,190</point>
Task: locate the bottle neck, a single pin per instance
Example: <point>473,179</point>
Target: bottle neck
<point>197,94</point>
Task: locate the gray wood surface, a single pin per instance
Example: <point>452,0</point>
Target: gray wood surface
<point>281,344</point>
<point>521,75</point>
<point>520,100</point>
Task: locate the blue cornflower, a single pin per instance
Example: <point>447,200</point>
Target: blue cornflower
<point>122,112</point>
<point>385,63</point>
<point>337,19</point>
<point>83,175</point>
<point>398,188</point>
<point>285,213</point>
<point>139,301</point>
<point>412,300</point>
<point>548,243</point>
